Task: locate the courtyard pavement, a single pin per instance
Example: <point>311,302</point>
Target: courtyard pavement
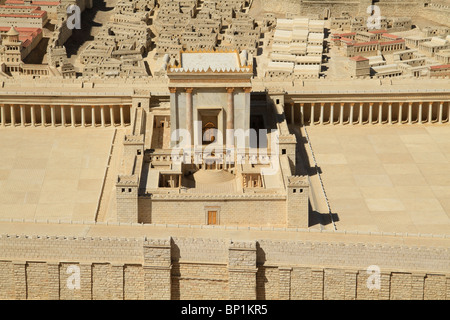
<point>52,173</point>
<point>385,178</point>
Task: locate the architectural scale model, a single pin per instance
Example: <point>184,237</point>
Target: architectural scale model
<point>224,149</point>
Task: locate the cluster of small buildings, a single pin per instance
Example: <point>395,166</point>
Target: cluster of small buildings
<point>20,32</point>
<point>415,61</point>
<point>297,49</point>
<point>118,48</point>
<point>23,16</point>
<point>26,19</point>
<point>189,25</point>
<point>359,23</point>
<point>368,43</point>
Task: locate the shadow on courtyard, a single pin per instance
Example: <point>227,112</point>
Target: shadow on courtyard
<point>80,36</point>
<point>303,167</point>
<point>323,219</point>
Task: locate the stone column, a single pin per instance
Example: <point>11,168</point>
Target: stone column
<point>302,114</point>
<point>370,112</point>
<point>83,117</point>
<point>400,113</point>
<point>13,116</point>
<point>22,115</point>
<point>361,114</point>
<point>174,117</point>
<point>322,107</point>
<point>410,113</point>
<point>102,115</point>
<point>448,111</point>
<point>341,114</point>
<point>242,270</point>
<point>352,105</point>
<point>111,115</point>
<point>230,117</point>
<point>292,113</point>
<point>43,115</point>
<point>419,117</point>
<point>63,116</point>
<point>332,113</point>
<point>189,112</point>
<point>441,111</point>
<point>390,113</point>
<point>72,115</point>
<point>93,116</point>
<point>122,117</point>
<point>311,121</point>
<point>380,113</point>
<point>157,268</point>
<point>3,114</point>
<point>430,112</point>
<point>33,116</point>
<point>52,114</point>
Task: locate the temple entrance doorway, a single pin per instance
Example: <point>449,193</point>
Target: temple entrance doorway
<point>209,126</point>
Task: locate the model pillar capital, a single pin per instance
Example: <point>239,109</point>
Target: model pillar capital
<point>172,90</point>
<point>230,89</point>
<point>189,90</point>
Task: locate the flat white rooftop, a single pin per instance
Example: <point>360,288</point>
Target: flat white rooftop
<point>213,60</point>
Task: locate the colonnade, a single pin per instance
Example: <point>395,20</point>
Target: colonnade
<point>352,113</point>
<point>64,115</point>
<point>189,109</point>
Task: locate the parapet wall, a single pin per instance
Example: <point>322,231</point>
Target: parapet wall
<point>218,268</point>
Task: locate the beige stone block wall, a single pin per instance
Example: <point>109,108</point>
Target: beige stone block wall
<point>67,293</point>
<point>435,287</point>
<point>194,281</point>
<point>334,284</point>
<point>37,281</point>
<point>7,289</point>
<point>101,286</point>
<point>401,286</point>
<point>191,212</point>
<point>133,282</point>
<point>301,283</point>
<point>191,268</point>
<point>267,283</point>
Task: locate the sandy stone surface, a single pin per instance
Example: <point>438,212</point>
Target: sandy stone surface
<point>385,178</point>
<point>52,173</point>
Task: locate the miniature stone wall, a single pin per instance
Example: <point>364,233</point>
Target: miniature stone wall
<point>189,268</point>
<point>260,209</point>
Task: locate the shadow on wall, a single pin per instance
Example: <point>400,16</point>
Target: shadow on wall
<point>175,271</point>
